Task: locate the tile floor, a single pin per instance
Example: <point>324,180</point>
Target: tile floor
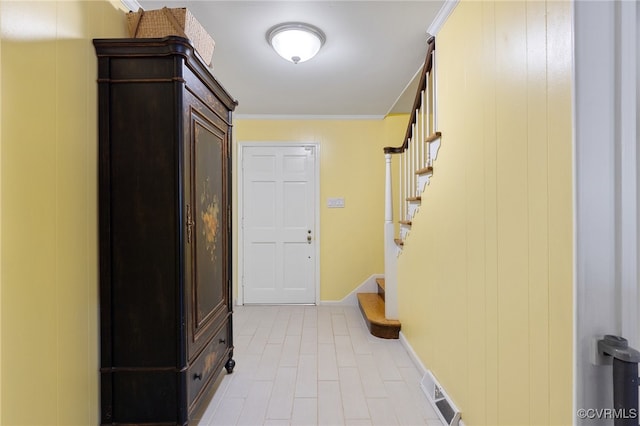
<point>316,365</point>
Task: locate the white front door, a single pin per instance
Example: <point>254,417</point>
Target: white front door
<point>278,220</point>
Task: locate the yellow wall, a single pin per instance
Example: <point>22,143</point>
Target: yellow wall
<point>0,211</point>
<point>485,280</point>
<point>48,194</point>
<point>351,166</point>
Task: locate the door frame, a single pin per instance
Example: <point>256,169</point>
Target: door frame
<point>240,214</point>
<point>606,222</point>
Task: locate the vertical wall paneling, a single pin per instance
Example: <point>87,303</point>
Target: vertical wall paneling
<point>485,278</point>
<point>559,104</point>
<point>30,311</point>
<point>538,205</point>
<point>512,165</point>
<point>490,202</point>
<point>0,214</point>
<point>476,233</point>
<point>48,193</point>
<point>71,216</point>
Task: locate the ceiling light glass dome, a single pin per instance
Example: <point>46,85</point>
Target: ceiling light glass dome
<point>296,41</point>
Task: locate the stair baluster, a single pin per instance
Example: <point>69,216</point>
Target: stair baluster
<point>415,160</point>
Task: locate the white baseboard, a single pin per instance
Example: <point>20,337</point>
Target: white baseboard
<point>427,384</point>
<point>368,286</point>
<point>412,354</point>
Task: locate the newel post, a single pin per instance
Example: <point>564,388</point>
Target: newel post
<point>390,249</point>
<point>388,200</point>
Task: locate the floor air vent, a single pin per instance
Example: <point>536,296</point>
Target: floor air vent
<point>446,409</point>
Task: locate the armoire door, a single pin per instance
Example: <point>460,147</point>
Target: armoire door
<point>206,224</point>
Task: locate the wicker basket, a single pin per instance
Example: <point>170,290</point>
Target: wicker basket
<point>165,22</point>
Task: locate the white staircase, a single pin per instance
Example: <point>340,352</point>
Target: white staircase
<point>415,159</point>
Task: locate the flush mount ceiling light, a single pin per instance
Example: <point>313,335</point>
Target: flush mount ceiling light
<point>296,41</point>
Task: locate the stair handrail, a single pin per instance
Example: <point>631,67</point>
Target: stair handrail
<point>417,103</point>
<point>409,158</point>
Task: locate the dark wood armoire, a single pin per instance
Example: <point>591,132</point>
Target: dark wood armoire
<point>165,230</point>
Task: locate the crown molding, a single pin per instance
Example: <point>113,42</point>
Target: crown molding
<point>442,16</point>
<point>132,5</point>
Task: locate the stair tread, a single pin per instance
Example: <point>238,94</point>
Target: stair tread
<point>424,171</point>
<point>405,222</point>
<point>398,242</point>
<point>433,137</point>
<point>373,307</point>
<point>380,282</point>
<point>418,198</point>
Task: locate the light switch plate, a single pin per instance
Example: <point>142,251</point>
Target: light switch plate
<point>335,203</point>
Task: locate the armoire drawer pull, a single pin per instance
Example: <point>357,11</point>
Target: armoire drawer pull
<point>222,341</point>
<point>197,376</point>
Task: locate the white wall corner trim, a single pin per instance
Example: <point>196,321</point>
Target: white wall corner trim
<point>368,286</point>
<point>442,16</point>
<point>131,4</point>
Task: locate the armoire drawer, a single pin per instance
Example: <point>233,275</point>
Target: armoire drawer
<point>208,364</point>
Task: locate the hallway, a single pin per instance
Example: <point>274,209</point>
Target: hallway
<point>308,365</point>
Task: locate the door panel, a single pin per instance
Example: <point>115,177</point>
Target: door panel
<point>209,205</point>
<point>206,224</point>
<point>279,204</point>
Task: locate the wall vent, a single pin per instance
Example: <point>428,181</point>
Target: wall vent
<point>446,409</point>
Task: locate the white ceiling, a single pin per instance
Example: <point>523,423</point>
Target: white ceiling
<point>373,51</point>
